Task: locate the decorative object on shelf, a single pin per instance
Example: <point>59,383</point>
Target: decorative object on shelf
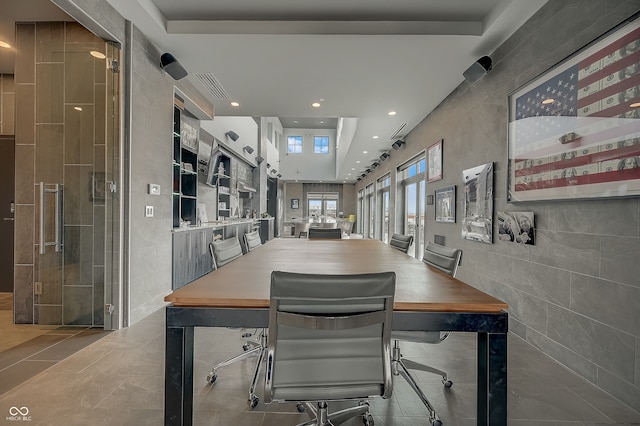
<point>446,204</point>
<point>265,215</point>
<point>580,141</point>
<point>516,227</point>
<point>477,213</point>
<point>221,169</point>
<point>434,162</point>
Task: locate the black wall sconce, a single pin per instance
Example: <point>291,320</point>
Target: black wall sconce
<point>397,144</point>
<point>248,149</point>
<point>232,135</point>
<point>259,159</point>
<point>171,66</point>
<point>478,69</point>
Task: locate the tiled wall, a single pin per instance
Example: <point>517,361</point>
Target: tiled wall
<point>575,294</point>
<point>7,104</point>
<point>60,138</point>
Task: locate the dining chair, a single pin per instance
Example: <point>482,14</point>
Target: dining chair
<point>329,340</point>
<point>445,259</point>
<point>224,252</point>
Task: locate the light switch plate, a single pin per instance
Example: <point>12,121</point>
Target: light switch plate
<point>153,189</point>
<point>148,211</point>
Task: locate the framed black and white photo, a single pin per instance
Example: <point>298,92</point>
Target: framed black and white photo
<point>446,204</point>
<point>295,203</point>
<point>477,214</point>
<point>434,162</point>
<point>516,227</point>
<point>574,131</point>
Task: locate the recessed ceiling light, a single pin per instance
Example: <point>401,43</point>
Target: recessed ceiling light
<point>635,105</point>
<point>97,54</point>
<point>365,152</point>
<point>358,162</point>
<point>77,108</point>
<point>4,44</point>
<point>391,113</point>
<point>235,104</point>
<point>353,168</point>
<point>316,104</point>
<point>548,101</point>
<point>322,122</point>
<point>376,137</point>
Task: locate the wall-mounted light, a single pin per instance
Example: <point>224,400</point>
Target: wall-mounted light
<point>384,156</point>
<point>268,166</point>
<point>232,135</point>
<point>274,171</point>
<point>279,175</point>
<point>478,69</point>
<point>374,165</point>
<point>397,144</point>
<point>259,159</point>
<point>248,149</point>
<point>172,67</point>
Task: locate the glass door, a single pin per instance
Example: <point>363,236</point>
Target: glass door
<point>414,184</point>
<point>77,279</point>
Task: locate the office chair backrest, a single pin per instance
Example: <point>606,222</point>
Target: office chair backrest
<point>444,258</point>
<point>329,336</point>
<point>252,240</point>
<point>224,251</point>
<point>401,242</point>
<point>325,233</point>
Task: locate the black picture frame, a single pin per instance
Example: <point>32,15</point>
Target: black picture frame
<point>445,200</point>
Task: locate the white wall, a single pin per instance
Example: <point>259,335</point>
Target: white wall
<point>308,166</point>
<point>245,127</point>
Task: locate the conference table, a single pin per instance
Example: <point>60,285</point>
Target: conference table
<point>237,295</point>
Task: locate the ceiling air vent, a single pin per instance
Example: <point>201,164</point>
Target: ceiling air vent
<point>212,85</point>
<point>395,134</point>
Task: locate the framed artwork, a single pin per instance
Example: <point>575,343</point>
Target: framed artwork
<point>295,203</point>
<point>477,215</point>
<point>446,204</point>
<point>516,227</point>
<point>434,162</point>
<point>574,131</point>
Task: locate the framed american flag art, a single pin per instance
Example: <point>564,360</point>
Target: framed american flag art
<point>574,131</point>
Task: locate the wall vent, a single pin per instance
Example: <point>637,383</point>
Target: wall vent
<point>395,134</point>
<point>212,85</point>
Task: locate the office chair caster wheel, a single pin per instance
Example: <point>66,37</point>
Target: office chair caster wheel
<point>253,402</point>
<point>367,419</point>
<point>212,377</point>
<point>436,423</point>
<point>300,408</point>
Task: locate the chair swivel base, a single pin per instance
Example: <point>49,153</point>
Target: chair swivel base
<point>400,366</point>
<point>324,418</point>
<point>252,348</point>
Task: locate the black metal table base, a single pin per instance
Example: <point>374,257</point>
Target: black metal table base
<point>491,329</point>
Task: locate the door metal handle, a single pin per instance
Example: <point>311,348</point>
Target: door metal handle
<point>8,218</point>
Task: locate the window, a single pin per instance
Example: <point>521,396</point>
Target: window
<point>320,144</point>
<point>384,193</point>
<point>294,145</point>
<point>323,205</point>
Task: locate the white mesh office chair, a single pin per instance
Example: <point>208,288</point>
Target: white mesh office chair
<point>401,242</point>
<point>445,259</point>
<point>329,341</point>
<point>223,252</point>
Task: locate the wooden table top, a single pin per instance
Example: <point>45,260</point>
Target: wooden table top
<point>245,282</point>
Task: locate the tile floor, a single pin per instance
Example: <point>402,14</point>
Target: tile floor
<point>119,379</point>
